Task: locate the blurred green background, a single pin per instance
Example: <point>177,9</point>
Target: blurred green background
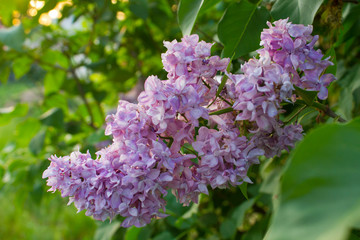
<point>63,67</point>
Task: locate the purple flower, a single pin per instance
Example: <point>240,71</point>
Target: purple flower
<point>170,141</point>
<point>291,46</point>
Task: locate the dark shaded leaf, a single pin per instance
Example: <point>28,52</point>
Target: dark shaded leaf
<point>164,236</point>
<point>239,213</point>
<point>243,188</point>
<point>132,233</point>
<point>227,228</point>
<point>240,27</point>
<point>37,143</point>
<point>140,8</point>
<point>4,72</point>
<point>54,117</point>
<point>307,96</point>
<point>349,83</point>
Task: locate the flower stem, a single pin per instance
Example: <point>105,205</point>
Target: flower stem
<point>222,111</point>
<point>325,109</point>
<point>171,140</point>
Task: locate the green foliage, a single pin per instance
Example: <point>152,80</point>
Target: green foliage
<point>319,193</point>
<point>350,83</point>
<point>140,8</point>
<point>59,81</point>
<point>106,230</point>
<point>13,37</point>
<point>187,13</point>
<point>298,11</point>
<point>240,27</point>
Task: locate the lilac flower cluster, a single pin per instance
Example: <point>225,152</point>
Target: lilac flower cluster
<point>174,138</point>
<point>292,47</point>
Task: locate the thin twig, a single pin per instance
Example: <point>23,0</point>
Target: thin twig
<point>171,140</point>
<point>222,111</point>
<point>328,111</point>
<point>190,150</point>
<point>92,33</point>
<point>83,97</point>
<point>80,89</point>
<point>325,109</point>
<point>221,97</point>
<point>295,115</point>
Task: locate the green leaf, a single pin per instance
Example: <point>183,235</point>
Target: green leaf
<point>37,194</point>
<point>37,143</point>
<point>240,27</point>
<point>239,213</point>
<point>227,228</point>
<point>106,230</point>
<point>350,25</point>
<point>54,117</point>
<point>53,81</point>
<point>58,100</point>
<point>353,237</point>
<point>307,96</point>
<point>140,8</point>
<point>25,131</point>
<point>9,113</point>
<point>18,165</point>
<point>6,11</point>
<point>332,54</point>
<point>187,13</point>
<point>13,37</point>
<point>145,232</point>
<point>2,172</point>
<point>319,193</point>
<point>271,172</point>
<point>96,137</point>
<point>132,233</point>
<point>55,58</point>
<point>299,11</point>
<point>257,231</point>
<point>164,236</point>
<point>208,4</point>
<point>243,189</point>
<point>187,219</point>
<point>349,83</point>
<point>4,72</point>
<point>21,66</point>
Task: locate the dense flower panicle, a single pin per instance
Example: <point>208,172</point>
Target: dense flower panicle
<point>223,122</point>
<point>192,61</point>
<point>259,91</point>
<point>123,181</point>
<point>291,46</point>
<point>281,138</point>
<point>160,145</point>
<point>224,157</point>
<point>191,58</point>
<point>129,122</point>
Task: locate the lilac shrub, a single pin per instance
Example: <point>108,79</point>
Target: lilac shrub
<point>182,137</point>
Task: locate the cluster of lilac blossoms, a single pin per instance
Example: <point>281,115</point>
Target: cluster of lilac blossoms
<point>178,136</point>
